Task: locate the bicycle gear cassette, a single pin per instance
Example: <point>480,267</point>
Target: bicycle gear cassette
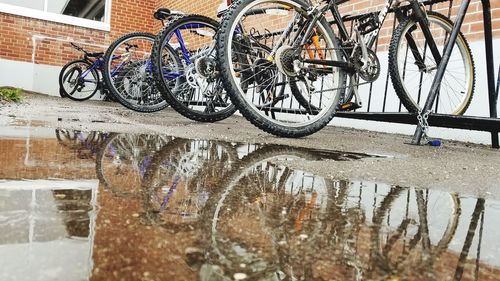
<point>369,70</point>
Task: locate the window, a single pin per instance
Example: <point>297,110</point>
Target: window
<point>86,13</point>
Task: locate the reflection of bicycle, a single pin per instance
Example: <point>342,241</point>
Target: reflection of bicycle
<point>285,224</point>
<point>421,231</point>
<point>79,80</point>
<point>123,159</point>
<point>274,219</point>
<point>180,178</point>
<point>85,143</point>
<point>293,30</point>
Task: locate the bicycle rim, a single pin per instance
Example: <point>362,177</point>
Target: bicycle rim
<point>79,81</point>
<point>129,73</point>
<point>456,89</point>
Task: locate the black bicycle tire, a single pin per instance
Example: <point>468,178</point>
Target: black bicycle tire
<point>110,85</point>
<point>160,82</point>
<point>256,119</point>
<point>62,91</point>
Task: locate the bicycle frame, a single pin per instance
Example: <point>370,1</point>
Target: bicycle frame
<point>182,45</point>
<point>369,39</point>
<point>97,64</point>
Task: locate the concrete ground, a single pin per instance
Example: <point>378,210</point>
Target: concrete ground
<point>469,169</point>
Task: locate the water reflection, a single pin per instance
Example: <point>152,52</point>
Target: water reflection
<point>46,229</point>
<point>86,144</point>
<point>262,220</point>
<point>178,209</point>
<point>274,223</point>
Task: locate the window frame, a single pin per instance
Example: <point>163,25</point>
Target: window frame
<point>59,18</point>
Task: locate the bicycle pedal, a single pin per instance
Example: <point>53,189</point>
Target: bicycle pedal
<point>348,106</point>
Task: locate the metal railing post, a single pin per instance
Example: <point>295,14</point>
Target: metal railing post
<point>490,67</point>
<point>417,137</point>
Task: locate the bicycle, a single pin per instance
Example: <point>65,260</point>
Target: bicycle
<point>79,80</point>
<point>128,70</point>
<point>317,73</point>
<point>185,50</point>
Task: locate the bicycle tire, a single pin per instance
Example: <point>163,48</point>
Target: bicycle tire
<point>158,102</point>
<point>64,75</point>
<point>170,92</point>
<point>267,122</point>
<point>413,101</point>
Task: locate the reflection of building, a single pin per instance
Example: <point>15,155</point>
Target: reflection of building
<point>47,229</point>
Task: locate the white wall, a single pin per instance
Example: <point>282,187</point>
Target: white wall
<point>32,77</point>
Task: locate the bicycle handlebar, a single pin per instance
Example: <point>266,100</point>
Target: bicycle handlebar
<point>79,48</point>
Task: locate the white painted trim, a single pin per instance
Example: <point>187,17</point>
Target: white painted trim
<point>42,15</point>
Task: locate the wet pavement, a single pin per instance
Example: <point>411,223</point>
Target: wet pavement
<point>107,206</point>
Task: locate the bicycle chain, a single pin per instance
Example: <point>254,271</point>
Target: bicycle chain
<point>424,124</point>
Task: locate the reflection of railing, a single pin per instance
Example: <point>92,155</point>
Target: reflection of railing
<point>408,237</point>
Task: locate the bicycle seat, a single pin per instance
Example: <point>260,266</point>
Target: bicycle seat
<point>164,14</point>
<point>95,55</point>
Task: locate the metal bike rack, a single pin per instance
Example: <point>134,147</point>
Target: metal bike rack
<point>488,124</point>
<point>493,95</point>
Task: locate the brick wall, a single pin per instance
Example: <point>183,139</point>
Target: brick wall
<point>206,8</point>
<point>472,27</point>
<point>21,37</point>
<point>44,42</point>
<point>43,159</point>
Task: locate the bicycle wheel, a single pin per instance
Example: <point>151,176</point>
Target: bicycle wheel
<point>185,70</point>
<point>128,75</point>
<point>412,78</point>
<point>78,80</point>
<point>263,86</point>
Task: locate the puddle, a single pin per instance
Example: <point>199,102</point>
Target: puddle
<point>105,206</point>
